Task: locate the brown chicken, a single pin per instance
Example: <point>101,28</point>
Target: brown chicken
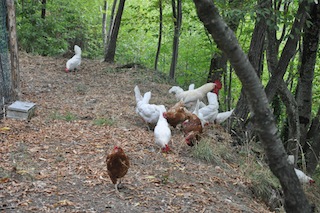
<point>117,165</point>
<point>192,128</point>
<point>176,114</point>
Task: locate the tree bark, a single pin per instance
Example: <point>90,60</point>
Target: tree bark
<point>306,71</point>
<point>312,155</point>
<point>177,20</point>
<point>111,24</point>
<point>111,49</point>
<point>160,36</point>
<point>13,46</point>
<point>218,65</point>
<point>104,24</point>
<point>255,56</point>
<point>295,200</point>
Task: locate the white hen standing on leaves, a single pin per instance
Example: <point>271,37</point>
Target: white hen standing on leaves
<point>74,62</point>
<point>148,112</point>
<point>162,132</point>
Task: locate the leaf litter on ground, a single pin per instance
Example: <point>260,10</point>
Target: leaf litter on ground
<point>56,161</point>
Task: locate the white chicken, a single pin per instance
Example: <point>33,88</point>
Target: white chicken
<point>222,116</point>
<point>200,115</point>
<point>191,87</point>
<point>209,113</point>
<point>74,62</point>
<point>148,112</point>
<point>190,97</point>
<point>303,178</point>
<point>162,132</point>
<point>177,89</point>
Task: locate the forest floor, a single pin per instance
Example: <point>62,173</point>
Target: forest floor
<point>56,161</point>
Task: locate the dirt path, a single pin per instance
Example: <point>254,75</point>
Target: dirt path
<point>56,162</point>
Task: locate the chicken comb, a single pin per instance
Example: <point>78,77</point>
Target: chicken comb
<point>218,84</point>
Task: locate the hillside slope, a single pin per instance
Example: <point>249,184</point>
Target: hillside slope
<point>56,162</point>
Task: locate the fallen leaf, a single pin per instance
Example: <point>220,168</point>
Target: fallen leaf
<point>4,180</point>
<point>63,203</point>
<point>5,128</point>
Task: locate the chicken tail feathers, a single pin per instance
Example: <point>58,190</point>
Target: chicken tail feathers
<point>146,97</point>
<point>137,94</point>
<point>77,50</point>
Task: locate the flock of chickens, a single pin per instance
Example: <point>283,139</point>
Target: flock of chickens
<point>190,112</point>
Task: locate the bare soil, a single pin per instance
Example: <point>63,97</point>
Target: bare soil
<point>56,161</point>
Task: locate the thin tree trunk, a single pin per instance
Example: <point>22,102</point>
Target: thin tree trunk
<point>218,64</point>
<point>104,24</point>
<point>177,16</point>
<point>111,24</point>
<point>13,46</point>
<point>160,36</point>
<point>306,71</point>
<point>255,56</point>
<point>111,49</point>
<point>313,136</point>
<point>295,200</point>
<point>288,52</point>
<point>43,10</point>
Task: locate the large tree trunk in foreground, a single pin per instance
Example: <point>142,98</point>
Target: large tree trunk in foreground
<point>295,200</point>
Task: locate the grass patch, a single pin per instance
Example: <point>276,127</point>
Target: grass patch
<point>103,121</point>
<point>264,184</point>
<point>204,151</point>
<point>81,89</point>
<point>68,116</point>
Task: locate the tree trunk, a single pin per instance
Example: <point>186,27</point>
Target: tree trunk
<point>111,48</point>
<point>255,56</point>
<point>218,65</point>
<point>288,52</point>
<point>295,200</point>
<point>43,10</point>
<point>104,24</point>
<point>160,36</point>
<point>177,20</point>
<point>311,45</point>
<point>13,46</point>
<point>111,24</point>
<point>306,71</point>
<point>312,155</point>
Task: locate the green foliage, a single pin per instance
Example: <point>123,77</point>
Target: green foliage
<point>66,23</point>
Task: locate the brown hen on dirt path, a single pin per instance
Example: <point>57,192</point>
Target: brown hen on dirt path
<point>117,165</point>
